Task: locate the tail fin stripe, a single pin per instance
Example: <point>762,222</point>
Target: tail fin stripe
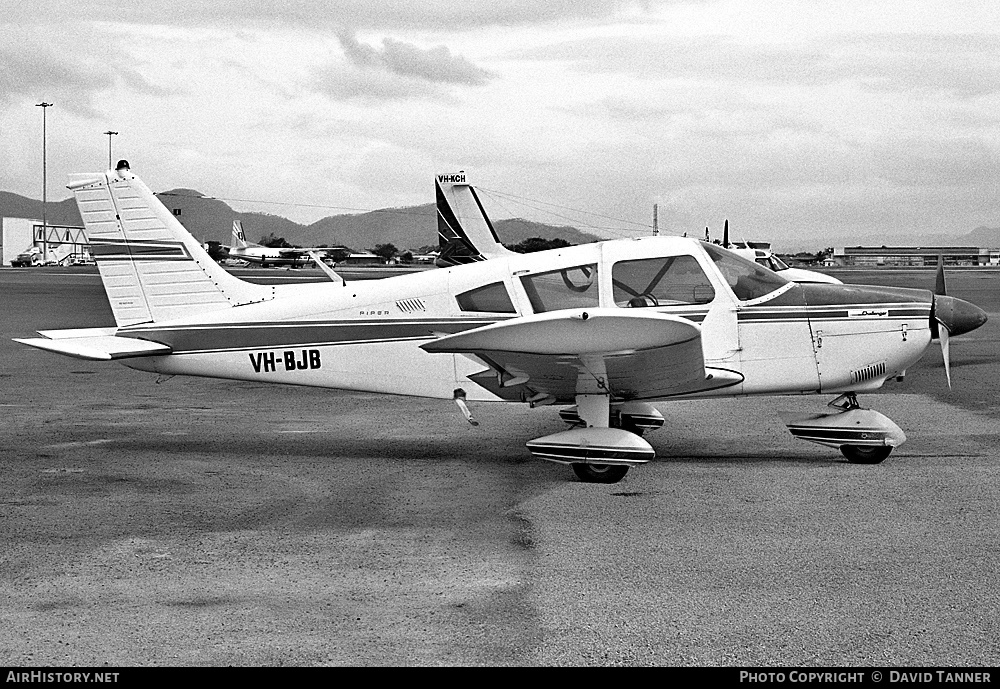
<point>482,210</point>
<point>104,250</point>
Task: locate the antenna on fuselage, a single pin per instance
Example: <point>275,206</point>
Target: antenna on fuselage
<point>656,227</point>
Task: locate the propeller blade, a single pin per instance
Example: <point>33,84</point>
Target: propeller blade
<point>943,331</point>
<point>939,286</point>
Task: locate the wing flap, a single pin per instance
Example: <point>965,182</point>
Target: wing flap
<point>94,344</point>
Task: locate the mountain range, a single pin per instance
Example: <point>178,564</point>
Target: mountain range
<point>210,219</point>
<point>410,227</point>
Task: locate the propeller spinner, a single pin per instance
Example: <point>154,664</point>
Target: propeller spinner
<point>951,316</point>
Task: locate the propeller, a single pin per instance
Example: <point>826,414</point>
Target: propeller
<point>951,316</point>
<point>939,286</point>
<point>940,289</point>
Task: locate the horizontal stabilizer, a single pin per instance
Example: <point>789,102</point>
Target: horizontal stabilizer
<point>94,344</point>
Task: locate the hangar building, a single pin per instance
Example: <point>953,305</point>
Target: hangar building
<point>871,256</point>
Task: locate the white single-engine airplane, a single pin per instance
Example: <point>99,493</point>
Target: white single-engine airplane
<point>269,256</point>
<point>606,327</point>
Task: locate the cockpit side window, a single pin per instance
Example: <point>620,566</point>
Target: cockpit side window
<point>567,288</point>
<point>492,298</point>
<point>746,278</point>
<point>661,281</point>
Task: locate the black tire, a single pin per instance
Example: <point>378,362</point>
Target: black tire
<point>600,473</point>
<point>862,454</point>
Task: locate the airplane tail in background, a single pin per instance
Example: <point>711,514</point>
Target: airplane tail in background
<point>239,238</point>
<point>465,233</point>
<point>152,268</point>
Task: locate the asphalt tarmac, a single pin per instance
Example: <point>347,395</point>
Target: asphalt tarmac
<point>201,522</point>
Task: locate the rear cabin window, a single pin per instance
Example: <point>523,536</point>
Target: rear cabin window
<point>492,298</point>
<point>568,288</point>
<point>663,281</point>
<point>748,280</point>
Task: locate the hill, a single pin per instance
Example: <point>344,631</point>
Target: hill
<point>408,227</point>
<point>211,219</point>
<point>416,226</point>
<point>981,236</point>
<point>57,212</point>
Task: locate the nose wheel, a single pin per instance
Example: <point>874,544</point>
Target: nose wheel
<point>859,454</point>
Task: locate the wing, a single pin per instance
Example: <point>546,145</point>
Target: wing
<point>626,354</point>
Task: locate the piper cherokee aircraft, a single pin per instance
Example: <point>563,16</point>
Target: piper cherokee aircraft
<point>268,256</point>
<point>604,328</point>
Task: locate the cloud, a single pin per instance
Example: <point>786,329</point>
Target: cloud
<point>71,77</point>
<point>327,16</point>
<point>963,64</point>
<point>37,74</point>
<point>434,65</point>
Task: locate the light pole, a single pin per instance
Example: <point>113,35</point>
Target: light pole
<point>45,231</point>
<point>110,134</point>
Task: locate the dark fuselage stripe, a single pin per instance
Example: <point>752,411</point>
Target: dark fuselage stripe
<point>245,336</point>
<point>840,314</point>
<point>274,335</point>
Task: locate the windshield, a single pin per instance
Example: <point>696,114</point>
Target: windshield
<point>747,279</point>
<point>777,264</point>
<point>772,262</point>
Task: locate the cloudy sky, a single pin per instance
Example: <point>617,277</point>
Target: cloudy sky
<point>803,122</point>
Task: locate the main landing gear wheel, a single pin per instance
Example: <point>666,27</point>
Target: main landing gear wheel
<point>861,454</point>
<point>600,473</point>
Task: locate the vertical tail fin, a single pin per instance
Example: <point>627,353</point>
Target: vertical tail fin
<point>465,233</point>
<point>152,268</point>
<point>239,238</point>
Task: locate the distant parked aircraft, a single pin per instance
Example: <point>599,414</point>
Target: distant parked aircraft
<point>269,256</point>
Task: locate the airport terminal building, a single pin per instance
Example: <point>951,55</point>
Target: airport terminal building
<point>57,244</point>
<point>914,256</point>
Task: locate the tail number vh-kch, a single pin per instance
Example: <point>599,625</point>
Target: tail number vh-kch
<point>292,360</point>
